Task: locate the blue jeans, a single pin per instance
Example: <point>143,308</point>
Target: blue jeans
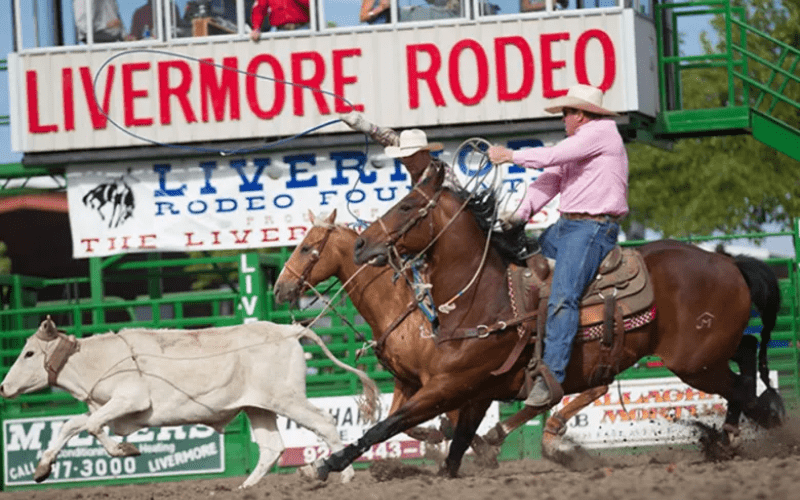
<point>578,246</point>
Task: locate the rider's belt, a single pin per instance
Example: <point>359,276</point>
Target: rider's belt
<point>597,218</point>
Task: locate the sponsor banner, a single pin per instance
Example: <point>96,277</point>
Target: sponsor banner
<point>234,89</point>
<point>652,411</point>
<point>256,201</point>
<point>165,451</point>
<point>303,446</point>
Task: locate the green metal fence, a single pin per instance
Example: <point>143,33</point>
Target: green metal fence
<point>86,308</point>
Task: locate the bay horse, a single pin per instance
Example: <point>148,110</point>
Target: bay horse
<point>402,335</point>
<point>703,303</point>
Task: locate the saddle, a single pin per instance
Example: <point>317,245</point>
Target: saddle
<point>619,299</point>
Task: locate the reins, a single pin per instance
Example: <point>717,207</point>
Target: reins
<point>315,257</point>
<point>423,212</point>
<point>303,276</point>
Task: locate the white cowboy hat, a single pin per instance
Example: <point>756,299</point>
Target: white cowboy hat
<point>411,141</point>
<point>583,97</point>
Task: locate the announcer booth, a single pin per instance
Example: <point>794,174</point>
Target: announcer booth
<point>190,139</point>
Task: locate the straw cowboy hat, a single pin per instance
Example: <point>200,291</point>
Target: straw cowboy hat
<point>583,97</point>
<point>411,141</point>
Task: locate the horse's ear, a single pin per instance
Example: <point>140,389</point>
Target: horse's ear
<point>47,330</point>
<point>440,176</point>
<point>331,218</point>
<point>434,175</point>
<point>311,217</point>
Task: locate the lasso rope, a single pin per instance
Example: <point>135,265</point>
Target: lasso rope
<point>225,152</point>
<point>328,303</point>
<point>222,152</point>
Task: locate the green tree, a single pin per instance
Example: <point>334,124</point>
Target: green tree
<point>725,183</point>
<point>5,262</point>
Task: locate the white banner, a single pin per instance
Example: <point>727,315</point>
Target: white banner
<point>649,411</point>
<point>203,89</point>
<point>303,446</point>
<point>244,203</point>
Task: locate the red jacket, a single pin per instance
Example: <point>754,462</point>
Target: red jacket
<point>280,12</point>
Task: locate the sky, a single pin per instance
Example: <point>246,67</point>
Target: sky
<point>345,12</point>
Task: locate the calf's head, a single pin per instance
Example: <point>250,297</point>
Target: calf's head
<point>29,372</point>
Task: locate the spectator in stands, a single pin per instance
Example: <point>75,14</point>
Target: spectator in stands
<point>375,12</point>
<point>532,5</point>
<point>106,22</point>
<point>283,15</point>
<point>143,21</point>
<point>539,5</point>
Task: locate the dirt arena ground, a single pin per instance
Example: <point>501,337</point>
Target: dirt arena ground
<point>769,469</point>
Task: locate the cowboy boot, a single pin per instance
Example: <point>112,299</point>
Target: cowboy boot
<point>546,391</point>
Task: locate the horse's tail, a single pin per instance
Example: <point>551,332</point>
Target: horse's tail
<point>765,293</point>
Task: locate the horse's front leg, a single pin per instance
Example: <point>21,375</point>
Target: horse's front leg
<point>339,461</point>
<point>469,418</point>
<point>426,404</point>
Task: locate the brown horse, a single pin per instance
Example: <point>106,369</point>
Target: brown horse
<point>400,329</point>
<point>703,301</point>
<point>401,332</point>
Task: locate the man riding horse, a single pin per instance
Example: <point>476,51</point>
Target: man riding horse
<point>590,170</point>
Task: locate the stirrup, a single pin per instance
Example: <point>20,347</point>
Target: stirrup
<point>555,389</point>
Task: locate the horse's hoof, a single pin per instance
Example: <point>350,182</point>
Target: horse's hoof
<point>348,474</point>
<point>316,471</point>
<point>448,470</point>
<point>485,454</point>
<point>41,473</point>
<point>308,472</point>
<point>556,449</point>
<point>426,434</point>
<point>731,436</point>
<point>495,436</point>
<point>773,410</point>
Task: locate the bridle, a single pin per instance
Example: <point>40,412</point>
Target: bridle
<point>409,224</point>
<point>397,262</point>
<point>316,254</point>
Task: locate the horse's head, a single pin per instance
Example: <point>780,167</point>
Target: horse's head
<point>309,264</point>
<point>407,227</point>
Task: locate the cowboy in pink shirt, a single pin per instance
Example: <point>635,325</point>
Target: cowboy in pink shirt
<point>590,170</point>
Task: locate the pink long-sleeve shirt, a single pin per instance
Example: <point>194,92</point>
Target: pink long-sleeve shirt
<point>588,168</point>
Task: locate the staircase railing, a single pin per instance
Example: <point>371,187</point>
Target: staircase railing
<point>761,73</point>
<point>773,87</point>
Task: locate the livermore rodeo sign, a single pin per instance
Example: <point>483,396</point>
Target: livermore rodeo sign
<point>165,451</point>
<point>244,203</point>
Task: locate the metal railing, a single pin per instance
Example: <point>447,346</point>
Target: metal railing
<point>761,73</point>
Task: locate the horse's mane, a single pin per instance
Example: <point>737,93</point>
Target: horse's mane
<point>513,245</point>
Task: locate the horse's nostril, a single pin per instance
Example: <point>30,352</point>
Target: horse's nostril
<point>359,243</point>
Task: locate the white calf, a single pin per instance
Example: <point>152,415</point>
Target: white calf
<point>141,378</point>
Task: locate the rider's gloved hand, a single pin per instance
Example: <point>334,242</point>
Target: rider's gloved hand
<point>357,122</point>
<point>509,219</point>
